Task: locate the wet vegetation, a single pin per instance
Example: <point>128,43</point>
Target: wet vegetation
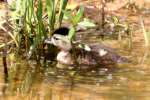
<point>106,43</point>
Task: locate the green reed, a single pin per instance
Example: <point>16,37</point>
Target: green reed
<point>31,24</point>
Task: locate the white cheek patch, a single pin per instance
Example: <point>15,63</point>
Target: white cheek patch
<point>53,41</point>
<point>102,52</point>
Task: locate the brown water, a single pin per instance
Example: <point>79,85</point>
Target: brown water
<point>30,81</point>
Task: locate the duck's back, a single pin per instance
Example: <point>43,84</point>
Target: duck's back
<point>101,53</point>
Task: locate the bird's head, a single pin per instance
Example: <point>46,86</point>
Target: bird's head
<point>60,41</point>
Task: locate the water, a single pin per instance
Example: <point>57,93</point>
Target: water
<point>28,80</point>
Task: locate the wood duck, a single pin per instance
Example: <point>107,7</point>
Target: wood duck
<point>77,53</point>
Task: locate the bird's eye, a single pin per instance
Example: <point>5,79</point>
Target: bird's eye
<point>56,38</point>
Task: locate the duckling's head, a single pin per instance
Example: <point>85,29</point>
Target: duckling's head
<point>60,41</point>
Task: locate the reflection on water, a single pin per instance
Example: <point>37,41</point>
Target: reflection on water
<point>29,81</point>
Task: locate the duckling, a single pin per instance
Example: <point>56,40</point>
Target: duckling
<point>64,44</point>
<point>51,51</point>
<point>77,53</point>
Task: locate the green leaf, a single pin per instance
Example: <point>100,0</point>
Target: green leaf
<point>40,26</point>
<point>67,15</point>
<point>51,12</point>
<point>39,10</point>
<point>86,24</point>
<point>115,20</point>
<point>71,34</point>
<point>78,16</point>
<point>63,4</point>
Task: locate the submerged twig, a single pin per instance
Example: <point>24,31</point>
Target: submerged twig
<point>4,44</point>
<point>103,14</point>
<point>5,62</point>
<point>144,56</point>
<point>144,32</point>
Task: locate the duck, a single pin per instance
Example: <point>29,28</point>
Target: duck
<point>72,52</point>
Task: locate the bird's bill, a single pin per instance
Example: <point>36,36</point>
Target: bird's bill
<point>48,41</point>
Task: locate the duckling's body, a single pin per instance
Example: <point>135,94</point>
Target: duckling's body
<point>84,55</point>
<point>65,57</point>
<point>95,56</point>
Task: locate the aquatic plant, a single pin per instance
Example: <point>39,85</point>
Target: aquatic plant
<point>74,19</point>
<point>33,25</point>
